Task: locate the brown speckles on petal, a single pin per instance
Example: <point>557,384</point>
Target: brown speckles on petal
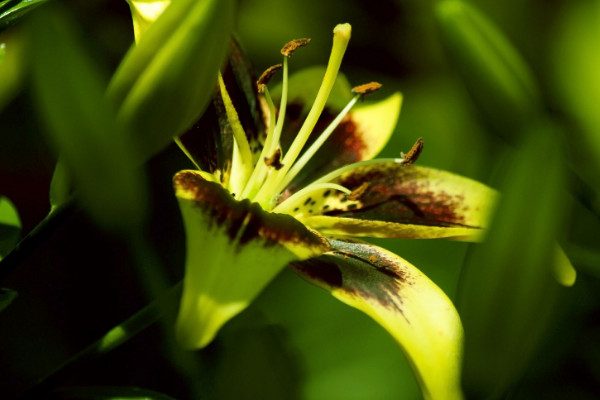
<point>359,269</point>
<point>243,221</point>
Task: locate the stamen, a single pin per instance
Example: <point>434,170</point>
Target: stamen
<point>359,191</point>
<point>272,141</point>
<point>294,45</point>
<point>288,204</point>
<point>275,160</point>
<point>360,91</point>
<point>266,77</point>
<point>414,153</point>
<point>310,152</point>
<point>367,88</point>
<point>341,37</point>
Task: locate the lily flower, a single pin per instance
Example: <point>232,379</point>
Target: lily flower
<point>296,186</point>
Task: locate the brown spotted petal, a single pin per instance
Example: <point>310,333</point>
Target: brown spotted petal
<point>401,201</point>
<point>405,302</point>
<point>234,249</point>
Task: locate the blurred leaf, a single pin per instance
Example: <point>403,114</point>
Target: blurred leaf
<point>10,226</point>
<point>496,76</point>
<point>165,81</point>
<point>12,65</point>
<point>11,11</point>
<point>108,393</point>
<point>508,289</point>
<point>7,296</point>
<point>576,62</point>
<point>69,93</point>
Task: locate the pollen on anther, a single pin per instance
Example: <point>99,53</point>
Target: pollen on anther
<point>266,77</point>
<point>367,88</point>
<point>292,46</point>
<point>414,153</point>
<point>275,160</point>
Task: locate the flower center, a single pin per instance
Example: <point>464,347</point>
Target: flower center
<point>264,181</point>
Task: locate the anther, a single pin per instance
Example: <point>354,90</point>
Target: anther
<point>292,46</point>
<point>266,77</point>
<point>358,192</point>
<point>414,153</point>
<point>367,88</point>
<point>275,160</point>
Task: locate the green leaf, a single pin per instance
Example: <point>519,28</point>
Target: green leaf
<point>234,249</point>
<point>12,11</point>
<point>69,93</point>
<point>166,81</point>
<point>498,79</point>
<point>575,62</point>
<point>508,290</point>
<point>405,302</point>
<point>10,226</point>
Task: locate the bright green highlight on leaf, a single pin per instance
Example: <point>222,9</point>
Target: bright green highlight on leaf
<point>10,226</point>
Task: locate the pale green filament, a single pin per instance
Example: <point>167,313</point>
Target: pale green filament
<point>185,151</point>
<point>310,152</point>
<point>239,136</point>
<point>341,37</point>
<point>260,170</point>
<point>288,204</point>
<point>282,109</point>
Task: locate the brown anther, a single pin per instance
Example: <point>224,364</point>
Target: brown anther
<point>358,192</point>
<point>414,153</point>
<point>266,77</point>
<point>275,160</point>
<point>367,88</point>
<point>292,46</point>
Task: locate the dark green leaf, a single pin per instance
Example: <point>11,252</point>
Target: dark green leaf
<point>498,79</point>
<point>508,288</point>
<point>69,92</point>
<point>12,11</point>
<point>7,296</point>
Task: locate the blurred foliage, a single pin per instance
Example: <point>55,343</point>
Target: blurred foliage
<point>473,75</point>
